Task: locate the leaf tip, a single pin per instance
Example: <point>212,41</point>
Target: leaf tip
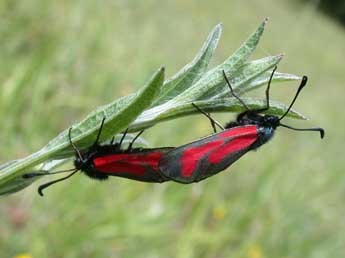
<point>280,56</point>
<point>298,115</point>
<point>215,33</point>
<point>303,117</point>
<point>266,20</point>
<point>161,72</point>
<point>219,26</point>
<point>295,77</point>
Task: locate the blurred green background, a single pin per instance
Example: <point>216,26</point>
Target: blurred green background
<point>61,59</point>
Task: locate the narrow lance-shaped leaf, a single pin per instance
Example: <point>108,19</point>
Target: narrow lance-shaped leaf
<point>193,71</point>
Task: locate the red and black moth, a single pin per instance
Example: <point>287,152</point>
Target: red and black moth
<point>206,157</point>
<point>101,161</point>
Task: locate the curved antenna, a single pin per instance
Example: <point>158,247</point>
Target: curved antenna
<point>233,93</point>
<point>316,129</point>
<point>42,187</point>
<point>34,174</point>
<point>301,86</point>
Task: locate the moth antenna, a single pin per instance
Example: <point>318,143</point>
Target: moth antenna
<point>42,187</point>
<point>34,174</point>
<point>316,129</point>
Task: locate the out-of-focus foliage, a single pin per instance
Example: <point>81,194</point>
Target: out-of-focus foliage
<point>333,8</point>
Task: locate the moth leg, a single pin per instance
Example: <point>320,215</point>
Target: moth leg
<point>123,137</point>
<point>212,124</point>
<point>212,121</point>
<point>73,145</point>
<point>135,138</point>
<point>267,92</point>
<point>233,93</point>
<point>99,131</point>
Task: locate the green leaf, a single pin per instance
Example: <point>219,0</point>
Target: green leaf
<point>119,115</point>
<point>191,72</point>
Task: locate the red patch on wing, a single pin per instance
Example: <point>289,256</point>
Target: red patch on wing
<point>236,131</point>
<point>192,155</point>
<point>244,136</point>
<point>128,163</point>
<point>233,145</point>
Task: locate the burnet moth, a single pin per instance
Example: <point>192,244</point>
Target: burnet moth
<point>208,156</point>
<point>101,161</point>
